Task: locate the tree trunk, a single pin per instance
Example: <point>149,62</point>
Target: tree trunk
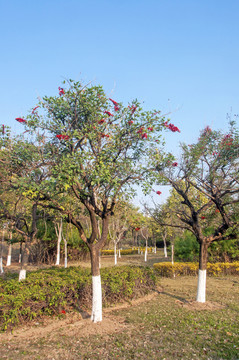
<point>202,273</point>
<point>165,247</point>
<point>58,229</point>
<point>115,253</point>
<point>172,253</point>
<point>146,250</point>
<point>1,253</point>
<point>119,254</point>
<point>24,260</point>
<point>65,245</point>
<point>20,253</point>
<point>96,315</point>
<point>9,255</point>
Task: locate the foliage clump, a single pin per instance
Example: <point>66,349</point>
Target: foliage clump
<point>57,291</point>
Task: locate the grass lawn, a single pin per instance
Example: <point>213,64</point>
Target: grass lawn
<point>166,325</point>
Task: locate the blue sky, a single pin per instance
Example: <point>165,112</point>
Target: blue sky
<point>180,56</point>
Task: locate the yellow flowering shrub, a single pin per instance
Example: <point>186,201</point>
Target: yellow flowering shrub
<point>130,251</point>
<point>178,269</point>
<point>122,252</point>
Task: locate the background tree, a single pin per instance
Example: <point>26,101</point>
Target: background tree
<point>209,167</point>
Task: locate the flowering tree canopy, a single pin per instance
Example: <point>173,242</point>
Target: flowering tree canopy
<point>94,149</point>
<point>210,168</point>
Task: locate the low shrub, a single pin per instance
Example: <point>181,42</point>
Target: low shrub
<point>58,290</point>
<point>179,269</point>
<point>132,251</point>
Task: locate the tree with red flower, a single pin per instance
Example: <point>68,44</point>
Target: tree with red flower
<point>216,179</point>
<point>94,171</point>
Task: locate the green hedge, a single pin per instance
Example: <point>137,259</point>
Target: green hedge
<point>59,290</point>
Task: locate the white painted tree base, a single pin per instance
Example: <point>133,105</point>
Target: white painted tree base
<point>1,267</point>
<point>9,260</point>
<point>145,256</point>
<point>201,291</point>
<point>57,260</point>
<point>96,315</point>
<point>22,275</point>
<point>65,262</point>
<point>165,252</point>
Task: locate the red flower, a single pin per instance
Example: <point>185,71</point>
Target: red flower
<point>171,127</point>
<point>33,110</point>
<point>114,102</point>
<point>63,312</point>
<point>101,121</point>
<point>108,113</point>
<point>158,192</point>
<point>130,122</point>
<point>140,130</point>
<point>117,108</point>
<point>150,128</point>
<point>207,130</point>
<point>105,135</point>
<point>20,120</point>
<point>203,217</point>
<point>137,229</point>
<point>217,211</point>
<point>62,137</point>
<point>144,136</point>
<point>175,164</point>
<point>61,91</point>
<point>132,108</point>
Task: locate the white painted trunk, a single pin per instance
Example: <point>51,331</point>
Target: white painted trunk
<point>9,256</point>
<point>165,251</point>
<point>65,254</point>
<point>138,250</point>
<point>115,253</point>
<point>58,253</point>
<point>201,291</point>
<point>58,229</point>
<point>20,258</point>
<point>1,266</point>
<point>57,258</point>
<point>172,254</point>
<point>155,250</point>
<point>9,260</point>
<point>22,274</point>
<point>145,254</point>
<point>96,315</point>
<point>119,254</point>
